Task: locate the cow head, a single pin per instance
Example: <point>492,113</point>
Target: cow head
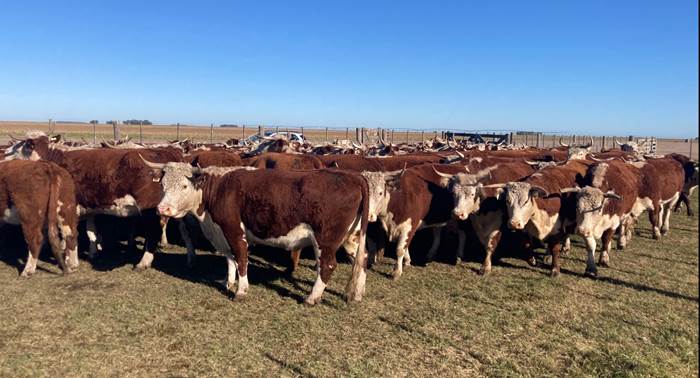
<point>181,187</point>
<point>577,151</point>
<point>520,202</point>
<point>381,185</point>
<point>590,202</point>
<point>34,147</point>
<point>466,190</point>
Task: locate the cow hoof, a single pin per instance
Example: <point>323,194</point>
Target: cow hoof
<point>484,271</point>
<point>239,297</point>
<point>604,263</point>
<point>311,301</point>
<point>395,275</point>
<point>590,273</point>
<point>141,268</point>
<point>25,275</point>
<point>532,261</point>
<point>554,273</point>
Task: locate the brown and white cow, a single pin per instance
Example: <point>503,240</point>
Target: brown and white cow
<point>476,198</point>
<point>283,209</point>
<point>536,205</point>
<point>108,181</point>
<point>40,196</point>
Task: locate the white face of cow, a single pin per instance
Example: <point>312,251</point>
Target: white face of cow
<point>520,203</point>
<point>589,209</point>
<point>578,152</point>
<point>180,195</point>
<point>379,194</point>
<point>467,195</point>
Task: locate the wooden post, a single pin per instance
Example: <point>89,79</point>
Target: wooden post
<point>510,138</point>
<point>690,155</point>
<point>260,130</point>
<point>117,132</point>
<point>602,144</point>
<point>526,139</point>
<point>211,133</point>
<point>177,131</point>
<point>50,126</point>
<point>391,136</point>
<point>141,132</point>
<point>302,130</point>
<point>422,136</point>
<point>94,132</point>
<point>243,132</point>
<point>326,135</point>
<point>406,136</point>
<point>347,133</point>
<point>357,134</point>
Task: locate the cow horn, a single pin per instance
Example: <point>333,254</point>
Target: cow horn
<point>461,155</point>
<point>589,145</point>
<point>106,144</point>
<point>356,145</point>
<point>152,165</point>
<point>495,186</point>
<point>531,162</point>
<point>590,156</point>
<point>612,195</point>
<point>618,142</point>
<point>575,189</point>
<point>445,175</point>
<point>14,138</point>
<point>562,143</point>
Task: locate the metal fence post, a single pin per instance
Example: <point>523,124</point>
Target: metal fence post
<point>141,132</point>
<point>243,132</point>
<point>690,155</point>
<point>406,136</point>
<point>94,132</point>
<point>326,135</point>
<point>177,131</point>
<point>211,133</point>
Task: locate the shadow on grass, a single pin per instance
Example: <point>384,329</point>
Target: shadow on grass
<point>286,365</point>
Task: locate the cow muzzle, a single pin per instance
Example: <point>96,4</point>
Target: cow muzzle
<point>166,210</point>
<point>516,224</point>
<point>460,214</point>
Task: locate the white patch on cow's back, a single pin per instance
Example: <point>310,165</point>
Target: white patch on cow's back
<point>476,160</point>
<point>220,171</point>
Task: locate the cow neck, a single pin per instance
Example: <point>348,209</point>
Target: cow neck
<point>56,156</point>
<point>216,191</point>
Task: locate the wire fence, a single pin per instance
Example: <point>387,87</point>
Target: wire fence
<point>95,133</point>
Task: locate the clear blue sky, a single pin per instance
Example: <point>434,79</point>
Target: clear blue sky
<point>623,67</point>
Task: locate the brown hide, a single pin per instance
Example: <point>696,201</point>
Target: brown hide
<point>277,160</point>
<point>43,195</point>
<point>215,158</point>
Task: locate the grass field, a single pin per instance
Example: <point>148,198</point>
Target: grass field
<point>640,318</point>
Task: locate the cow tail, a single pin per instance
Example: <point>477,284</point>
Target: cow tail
<point>52,219</point>
<point>356,286</point>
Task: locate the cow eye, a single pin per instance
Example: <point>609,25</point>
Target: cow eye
<point>184,186</point>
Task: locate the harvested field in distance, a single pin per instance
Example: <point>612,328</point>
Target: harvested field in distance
<point>160,133</point>
<point>639,318</point>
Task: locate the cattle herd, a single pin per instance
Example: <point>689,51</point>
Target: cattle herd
<point>360,199</point>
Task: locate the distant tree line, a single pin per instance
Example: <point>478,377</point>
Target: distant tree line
<point>227,125</point>
<point>137,121</point>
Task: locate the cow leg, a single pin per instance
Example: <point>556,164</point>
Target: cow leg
<point>325,265</point>
<point>666,216</point>
<point>554,249</point>
<point>95,244</point>
<point>621,236</point>
<point>295,255</point>
<point>437,233</point>
<point>401,252</point>
<point>654,218</point>
<point>34,237</point>
<point>605,248</point>
<point>164,227</point>
<point>591,269</point>
<point>185,234</point>
<point>461,243</point>
<point>491,244</point>
<point>152,229</point>
<point>566,248</point>
<point>131,243</point>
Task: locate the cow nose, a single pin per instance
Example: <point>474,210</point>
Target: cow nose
<point>516,224</point>
<point>584,232</point>
<point>461,215</point>
<point>165,210</point>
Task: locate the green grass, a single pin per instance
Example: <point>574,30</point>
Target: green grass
<point>640,318</point>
